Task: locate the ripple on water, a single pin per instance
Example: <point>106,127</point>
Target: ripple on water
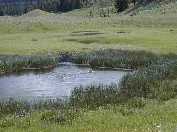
<point>55,83</point>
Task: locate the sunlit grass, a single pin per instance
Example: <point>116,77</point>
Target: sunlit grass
<point>54,33</point>
<point>153,117</point>
<point>149,39</point>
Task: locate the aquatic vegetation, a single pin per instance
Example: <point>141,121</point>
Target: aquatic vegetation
<point>151,82</point>
<point>94,96</point>
<point>117,58</point>
<point>10,64</point>
<point>103,58</point>
<point>153,78</point>
<point>150,79</point>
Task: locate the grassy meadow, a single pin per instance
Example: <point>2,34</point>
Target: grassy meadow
<point>146,42</point>
<point>51,33</point>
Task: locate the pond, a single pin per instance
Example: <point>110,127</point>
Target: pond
<point>58,82</point>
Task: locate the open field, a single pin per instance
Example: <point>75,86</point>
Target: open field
<point>50,33</point>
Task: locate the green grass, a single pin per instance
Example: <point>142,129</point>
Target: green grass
<point>155,40</point>
<point>54,33</point>
<point>153,117</point>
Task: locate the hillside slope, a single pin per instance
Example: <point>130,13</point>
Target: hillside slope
<point>153,8</point>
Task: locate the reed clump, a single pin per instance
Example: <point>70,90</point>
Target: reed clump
<point>114,58</point>
<point>94,96</point>
<point>152,82</point>
<point>10,64</point>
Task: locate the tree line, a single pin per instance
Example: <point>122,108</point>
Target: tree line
<point>19,7</point>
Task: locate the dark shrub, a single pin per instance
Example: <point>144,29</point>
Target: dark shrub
<point>121,5</point>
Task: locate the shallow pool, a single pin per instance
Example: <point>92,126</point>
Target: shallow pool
<point>58,82</point>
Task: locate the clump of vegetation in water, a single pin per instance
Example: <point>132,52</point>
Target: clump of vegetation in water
<point>10,64</point>
<point>117,58</point>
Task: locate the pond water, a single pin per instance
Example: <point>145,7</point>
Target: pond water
<point>57,82</point>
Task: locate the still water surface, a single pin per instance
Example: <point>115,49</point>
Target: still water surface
<point>58,82</point>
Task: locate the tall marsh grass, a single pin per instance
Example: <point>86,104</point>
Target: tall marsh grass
<point>117,58</point>
<point>151,82</point>
<point>10,64</point>
<point>17,106</point>
<point>154,77</point>
<point>54,111</point>
<point>94,96</point>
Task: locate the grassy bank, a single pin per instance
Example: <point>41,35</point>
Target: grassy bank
<point>152,116</point>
